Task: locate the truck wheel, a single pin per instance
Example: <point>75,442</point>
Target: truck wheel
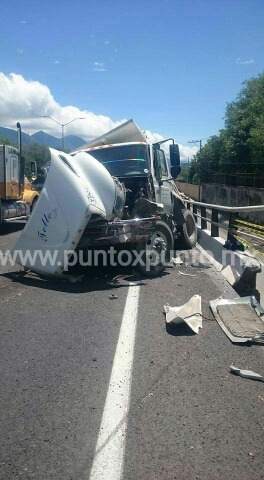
<point>157,251</point>
<point>188,231</point>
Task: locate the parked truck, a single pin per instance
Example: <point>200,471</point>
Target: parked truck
<point>16,197</point>
<point>117,190</point>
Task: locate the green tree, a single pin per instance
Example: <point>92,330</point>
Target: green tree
<point>239,147</point>
<point>6,141</point>
<point>35,152</point>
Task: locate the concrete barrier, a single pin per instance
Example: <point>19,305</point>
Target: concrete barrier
<point>239,268</point>
<point>192,191</point>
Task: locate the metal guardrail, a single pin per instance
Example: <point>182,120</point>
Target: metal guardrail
<point>233,226</point>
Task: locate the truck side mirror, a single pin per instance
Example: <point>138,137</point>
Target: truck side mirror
<point>175,155</point>
<point>33,170</point>
<point>175,171</point>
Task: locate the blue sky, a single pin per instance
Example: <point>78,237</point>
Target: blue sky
<point>170,65</point>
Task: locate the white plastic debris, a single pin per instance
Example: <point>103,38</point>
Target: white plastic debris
<point>189,313</point>
<point>186,274</point>
<point>246,373</point>
<point>113,296</point>
<point>201,265</point>
<point>177,260</point>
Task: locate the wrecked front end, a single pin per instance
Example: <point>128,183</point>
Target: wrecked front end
<point>81,205</point>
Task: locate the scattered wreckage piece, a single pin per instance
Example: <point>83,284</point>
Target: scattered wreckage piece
<point>75,278</point>
<point>117,283</point>
<point>246,374</point>
<point>113,296</point>
<point>201,265</point>
<point>186,274</point>
<point>241,319</point>
<point>177,260</point>
<point>189,313</point>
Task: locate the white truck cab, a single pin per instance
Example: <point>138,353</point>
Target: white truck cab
<point>118,189</point>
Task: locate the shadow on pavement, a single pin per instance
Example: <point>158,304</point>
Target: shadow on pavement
<point>179,331</point>
<point>94,279</point>
<point>11,227</point>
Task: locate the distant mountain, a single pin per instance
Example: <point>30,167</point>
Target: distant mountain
<point>12,135</point>
<point>71,142</point>
<point>46,139</point>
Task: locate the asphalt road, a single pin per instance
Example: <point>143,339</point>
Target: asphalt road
<point>93,388</point>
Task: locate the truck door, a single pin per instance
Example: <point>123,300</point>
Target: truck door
<point>14,176</point>
<point>162,192</point>
<point>12,173</point>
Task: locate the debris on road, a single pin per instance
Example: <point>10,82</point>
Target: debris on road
<point>189,313</point>
<point>74,279</point>
<point>186,274</point>
<point>113,296</point>
<point>113,284</point>
<point>246,374</point>
<point>201,265</point>
<point>177,260</point>
<point>242,319</point>
<point>117,284</point>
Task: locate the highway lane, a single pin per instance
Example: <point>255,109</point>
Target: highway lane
<point>184,415</point>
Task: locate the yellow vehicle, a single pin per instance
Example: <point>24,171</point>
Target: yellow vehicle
<point>17,199</point>
<point>30,195</point>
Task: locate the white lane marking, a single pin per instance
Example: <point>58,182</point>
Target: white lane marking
<point>110,447</point>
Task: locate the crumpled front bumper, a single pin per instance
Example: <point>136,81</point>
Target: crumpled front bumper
<point>118,232</point>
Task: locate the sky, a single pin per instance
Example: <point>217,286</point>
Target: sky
<point>171,65</point>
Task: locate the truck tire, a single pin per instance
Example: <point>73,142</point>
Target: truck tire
<point>157,250</point>
<point>188,232</point>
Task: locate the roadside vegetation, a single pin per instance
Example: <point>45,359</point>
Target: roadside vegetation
<point>239,147</point>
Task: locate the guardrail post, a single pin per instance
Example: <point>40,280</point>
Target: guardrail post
<point>214,228</point>
<point>231,227</point>
<point>195,212</point>
<point>203,222</point>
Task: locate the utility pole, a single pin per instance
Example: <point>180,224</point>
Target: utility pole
<point>200,143</point>
<point>197,141</point>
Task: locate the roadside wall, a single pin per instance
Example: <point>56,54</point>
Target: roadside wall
<point>234,196</point>
<point>190,190</point>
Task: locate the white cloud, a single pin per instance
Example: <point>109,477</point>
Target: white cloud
<point>20,51</point>
<point>25,100</point>
<point>23,21</point>
<point>98,67</point>
<point>92,36</point>
<point>185,151</point>
<point>115,50</point>
<point>56,61</point>
<point>107,42</point>
<point>244,62</point>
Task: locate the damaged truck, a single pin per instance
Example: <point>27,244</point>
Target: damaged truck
<point>117,190</point>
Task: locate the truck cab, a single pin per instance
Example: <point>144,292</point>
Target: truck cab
<point>16,201</point>
<point>117,190</point>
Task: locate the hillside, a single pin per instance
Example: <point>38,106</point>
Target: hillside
<point>71,142</point>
